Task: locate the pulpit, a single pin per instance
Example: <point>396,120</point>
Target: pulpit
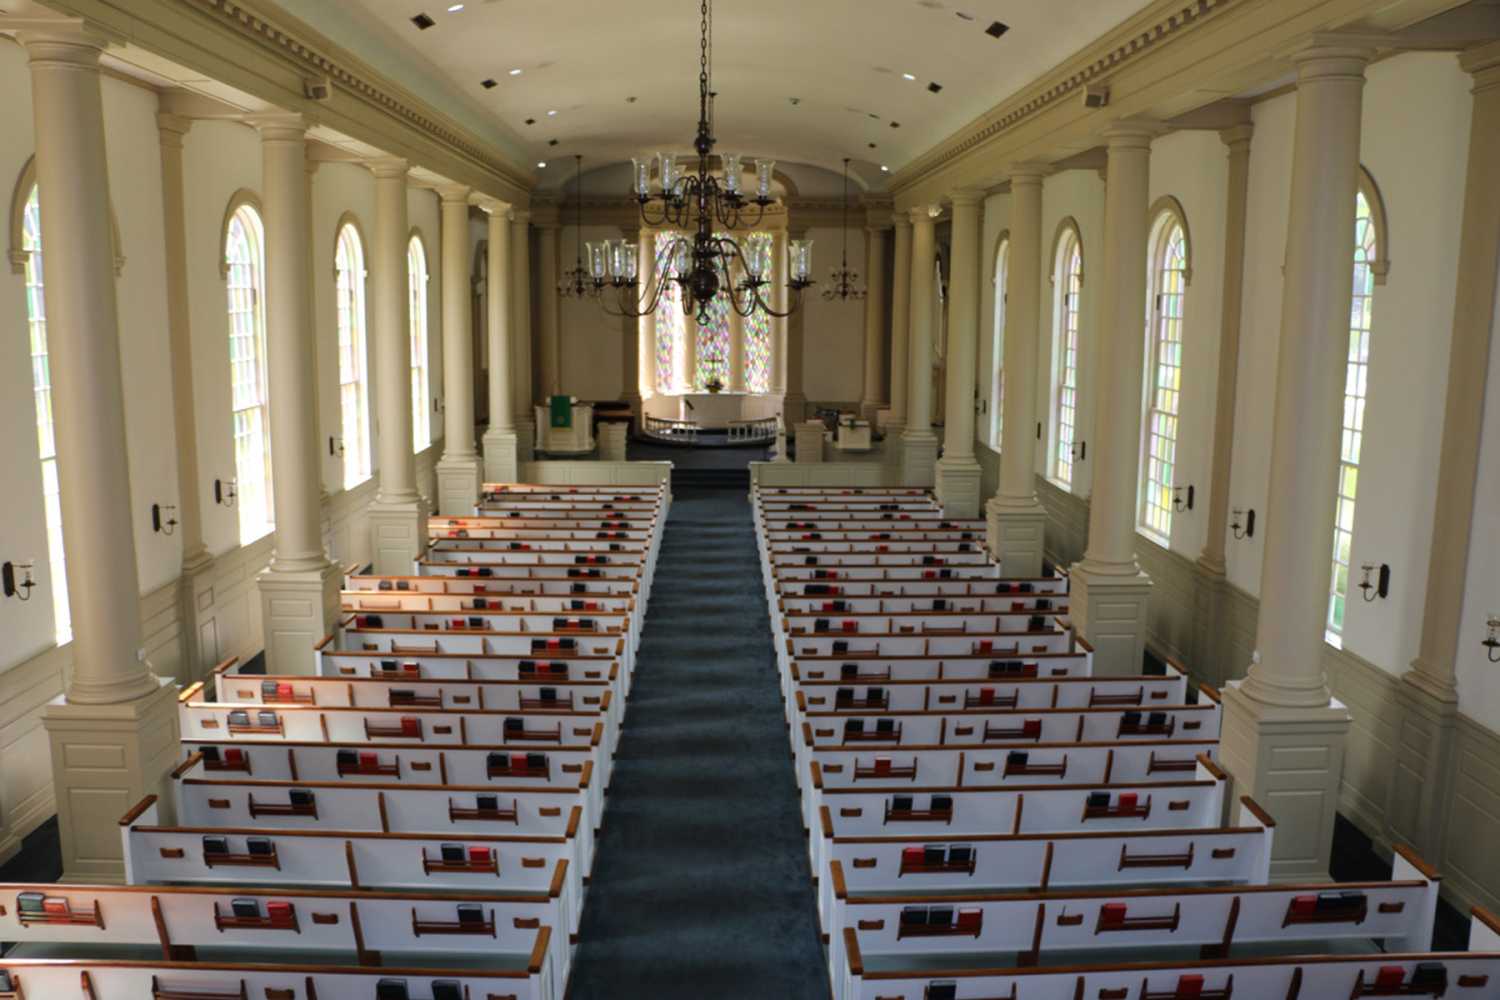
<point>565,428</point>
<point>714,410</point>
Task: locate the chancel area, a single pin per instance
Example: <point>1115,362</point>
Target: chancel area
<point>889,500</point>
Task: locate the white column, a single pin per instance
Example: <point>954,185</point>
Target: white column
<point>171,130</point>
<point>113,734</point>
<point>548,307</point>
<point>521,333</point>
<point>875,320</point>
<point>958,470</point>
<point>299,591</point>
<point>500,435</point>
<point>1282,711</point>
<point>646,325</point>
<point>919,445</point>
<point>794,404</point>
<point>1109,590</point>
<point>900,326</point>
<point>1422,781</point>
<point>458,471</point>
<point>1017,521</point>
<point>398,516</point>
<point>630,337</point>
<point>777,295</point>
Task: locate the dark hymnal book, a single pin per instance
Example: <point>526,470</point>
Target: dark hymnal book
<point>942,803</point>
<point>849,670</point>
<point>1130,719</point>
<point>933,854</point>
<point>215,845</point>
<point>913,915</point>
<point>1043,604</point>
<point>391,989</point>
<point>536,761</point>
<point>528,666</point>
<point>901,803</point>
<point>268,689</point>
<point>6,984</point>
<point>453,853</point>
<point>30,902</point>
<point>470,913</point>
<point>1156,719</point>
<point>348,758</point>
<point>843,695</point>
<point>247,908</point>
<point>498,761</point>
<point>579,588</point>
<point>841,646</point>
<point>476,622</point>
<point>942,990</point>
<point>258,847</point>
<point>1098,800</point>
<point>514,725</point>
<point>875,695</point>
<point>854,726</point>
<point>1026,588</point>
<point>885,725</point>
<point>577,605</point>
<point>487,803</point>
<point>300,797</point>
<point>940,605</point>
<point>548,694</point>
<point>384,585</point>
<point>960,854</point>
<point>210,753</point>
<point>239,717</point>
<point>940,916</point>
<point>482,603</point>
<point>387,664</point>
<point>265,718</point>
<point>1429,975</point>
<point>403,585</point>
<point>1017,757</point>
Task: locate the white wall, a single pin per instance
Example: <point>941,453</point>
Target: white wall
<point>592,354</point>
<point>1478,678</point>
<point>833,333</point>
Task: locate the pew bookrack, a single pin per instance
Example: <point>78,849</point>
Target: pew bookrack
<point>242,765</point>
<point>918,815</point>
<point>93,917</point>
<point>1059,770</point>
<point>892,735</point>
<point>1353,913</point>
<point>15,993</point>
<point>1011,700</point>
<point>478,928</point>
<point>1183,859</point>
<point>943,867</point>
<point>927,994</point>
<point>254,729</point>
<point>515,772</point>
<point>457,812</point>
<point>1147,729</point>
<point>1225,992</point>
<point>1007,734</point>
<point>232,860</point>
<point>491,866</point>
<point>1140,810</point>
<point>159,992</point>
<point>399,731</point>
<point>1168,765</point>
<point>885,769</point>
<point>1097,700</point>
<point>229,921</point>
<point>1160,922</point>
<point>955,929</point>
<point>410,699</point>
<point>553,735</point>
<point>259,809</point>
<point>866,703</point>
<point>384,770</point>
<point>561,703</point>
<point>311,698</point>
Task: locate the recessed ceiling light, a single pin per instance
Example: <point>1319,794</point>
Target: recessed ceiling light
<point>964,15</point>
<point>895,124</point>
<point>552,114</point>
<point>531,121</point>
<point>908,76</point>
<point>423,22</point>
<point>541,164</point>
<point>884,169</point>
<point>516,71</point>
<point>487,84</point>
<point>454,8</point>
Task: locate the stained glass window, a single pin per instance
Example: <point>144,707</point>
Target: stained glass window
<point>1163,380</point>
<point>758,327</point>
<point>713,344</point>
<point>671,324</point>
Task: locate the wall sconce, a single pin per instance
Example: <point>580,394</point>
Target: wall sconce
<point>163,518</point>
<point>1243,524</point>
<point>226,491</point>
<point>1491,641</point>
<point>21,588</point>
<point>1380,589</point>
<point>1080,451</point>
<point>1181,502</point>
<point>336,447</point>
<point>437,404</point>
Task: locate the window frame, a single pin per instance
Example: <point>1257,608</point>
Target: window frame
<point>1159,335</point>
<point>1001,278</point>
<point>254,492</point>
<point>353,338</point>
<point>419,311</point>
<point>1067,245</point>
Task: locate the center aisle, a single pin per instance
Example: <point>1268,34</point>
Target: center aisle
<point>700,883</point>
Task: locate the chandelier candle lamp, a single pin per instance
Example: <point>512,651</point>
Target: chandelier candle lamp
<point>704,264</point>
<point>843,284</point>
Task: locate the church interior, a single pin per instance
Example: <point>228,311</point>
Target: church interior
<point>885,500</point>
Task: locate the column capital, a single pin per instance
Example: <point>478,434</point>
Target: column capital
<point>61,39</point>
<point>1332,55</point>
<point>1237,137</point>
<point>1132,133</point>
<point>1028,172</point>
<point>280,126</point>
<point>1483,64</point>
<point>967,197</point>
<point>490,206</point>
<point>921,215</point>
<point>172,128</point>
<point>454,193</point>
<point>900,218</point>
<point>387,167</point>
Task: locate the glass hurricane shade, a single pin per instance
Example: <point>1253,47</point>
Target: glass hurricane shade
<point>669,173</point>
<point>799,259</point>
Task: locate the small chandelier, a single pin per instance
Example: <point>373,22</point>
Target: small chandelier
<point>577,282</point>
<point>843,284</point>
<point>704,265</point>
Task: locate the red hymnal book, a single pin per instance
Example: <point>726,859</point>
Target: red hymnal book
<point>986,696</point>
<point>554,644</point>
<point>1126,801</point>
<point>410,726</point>
<point>985,645</point>
<point>368,760</point>
<point>479,855</point>
<point>56,905</point>
<point>279,912</point>
<point>1189,987</point>
<point>1389,977</point>
<point>1031,727</point>
<point>913,856</point>
<point>518,762</point>
<point>234,756</point>
<point>1304,905</point>
<point>882,765</point>
<point>850,625</point>
<point>969,919</point>
<point>828,605</point>
<point>284,692</point>
<point>1112,913</point>
<point>929,574</point>
<point>882,548</point>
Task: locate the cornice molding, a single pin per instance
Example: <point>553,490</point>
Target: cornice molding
<point>1093,64</point>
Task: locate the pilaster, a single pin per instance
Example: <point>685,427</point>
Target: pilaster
<point>919,445</point>
<point>1109,609</point>
<point>459,469</point>
<point>876,285</point>
<point>900,323</point>
<point>521,333</point>
<point>1016,536</point>
<point>957,473</point>
<point>298,608</point>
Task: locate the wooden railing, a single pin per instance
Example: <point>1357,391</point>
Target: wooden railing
<point>671,430</point>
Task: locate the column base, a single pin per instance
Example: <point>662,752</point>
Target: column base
<point>958,487</point>
<point>458,479</point>
<point>297,609</point>
<point>525,439</point>
<point>793,409</point>
<point>500,456</point>
<point>919,451</point>
<point>1016,536</point>
<point>105,759</point>
<point>1110,612</point>
<point>810,436</point>
<point>1422,778</point>
<point>1291,762</point>
<point>612,441</point>
<point>398,536</point>
<point>195,589</point>
<point>870,410</point>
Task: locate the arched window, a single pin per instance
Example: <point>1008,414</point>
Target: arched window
<point>713,344</point>
<point>1002,273</point>
<point>245,278</point>
<point>1067,282</point>
<point>758,326</point>
<point>41,384</point>
<point>416,280</point>
<point>1163,375</point>
<point>671,325</point>
<point>1356,381</point>
<point>354,388</point>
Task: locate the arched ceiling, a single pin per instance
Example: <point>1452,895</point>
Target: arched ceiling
<point>808,81</point>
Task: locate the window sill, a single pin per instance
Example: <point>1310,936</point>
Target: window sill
<point>1333,639</point>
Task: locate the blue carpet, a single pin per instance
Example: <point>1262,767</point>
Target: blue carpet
<point>701,886</point>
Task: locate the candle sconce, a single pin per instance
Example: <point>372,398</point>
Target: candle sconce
<point>164,519</point>
<point>1243,524</point>
<point>1182,498</point>
<point>13,587</point>
<point>1491,641</point>
<point>1381,588</point>
<point>226,491</point>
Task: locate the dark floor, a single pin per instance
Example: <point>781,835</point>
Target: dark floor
<point>701,886</point>
<point>697,458</point>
